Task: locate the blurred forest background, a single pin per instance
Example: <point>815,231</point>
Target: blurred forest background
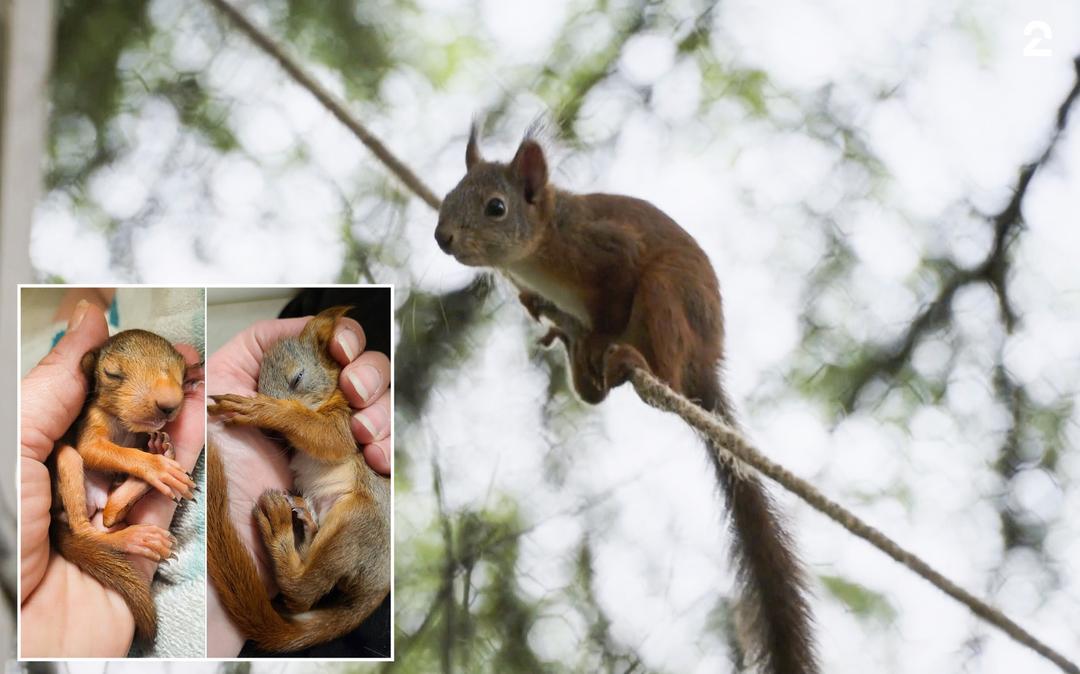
<point>890,193</point>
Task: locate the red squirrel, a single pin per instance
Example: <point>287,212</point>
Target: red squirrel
<point>329,545</point>
<point>626,287</point>
<point>137,382</point>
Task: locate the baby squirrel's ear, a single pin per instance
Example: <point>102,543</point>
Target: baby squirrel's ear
<point>87,365</point>
<point>472,150</point>
<point>530,167</point>
<point>321,328</point>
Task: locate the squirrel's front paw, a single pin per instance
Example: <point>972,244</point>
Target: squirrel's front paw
<point>235,409</point>
<point>159,443</point>
<point>167,476</point>
<point>552,334</point>
<point>620,361</point>
<point>536,305</point>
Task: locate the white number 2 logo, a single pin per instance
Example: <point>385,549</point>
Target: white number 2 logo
<point>1041,31</point>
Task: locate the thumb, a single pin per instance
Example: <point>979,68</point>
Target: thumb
<point>54,391</point>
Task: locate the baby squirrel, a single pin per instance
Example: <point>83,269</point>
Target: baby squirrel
<point>341,538</point>
<point>137,382</point>
<point>626,287</point>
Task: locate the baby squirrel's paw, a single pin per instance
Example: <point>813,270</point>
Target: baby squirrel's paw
<point>144,540</point>
<point>302,514</point>
<point>236,409</point>
<point>159,444</point>
<point>273,514</point>
<point>167,476</point>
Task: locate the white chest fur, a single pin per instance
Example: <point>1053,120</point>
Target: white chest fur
<point>537,279</point>
<point>323,484</point>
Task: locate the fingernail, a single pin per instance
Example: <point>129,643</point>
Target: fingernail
<point>386,454</point>
<point>78,315</point>
<point>366,381</point>
<point>349,343</point>
<point>373,420</point>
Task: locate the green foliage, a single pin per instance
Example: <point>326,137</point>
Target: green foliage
<point>865,603</point>
<point>343,35</point>
<point>87,87</point>
<point>459,578</point>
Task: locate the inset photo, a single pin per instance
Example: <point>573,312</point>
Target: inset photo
<point>299,405</point>
<point>112,428</point>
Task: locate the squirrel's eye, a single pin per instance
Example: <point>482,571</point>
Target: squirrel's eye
<point>295,381</point>
<point>115,375</point>
<point>495,208</point>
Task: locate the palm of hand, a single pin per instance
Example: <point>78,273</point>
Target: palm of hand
<point>253,462</point>
<point>68,612</point>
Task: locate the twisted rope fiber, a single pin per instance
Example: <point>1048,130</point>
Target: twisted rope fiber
<point>657,394</point>
<point>736,447</point>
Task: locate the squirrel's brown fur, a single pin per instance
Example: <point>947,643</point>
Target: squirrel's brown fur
<point>626,288</point>
<point>137,381</point>
<point>342,547</point>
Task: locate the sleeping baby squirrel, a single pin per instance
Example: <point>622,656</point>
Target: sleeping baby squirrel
<point>626,288</point>
<point>338,548</point>
<point>137,382</point>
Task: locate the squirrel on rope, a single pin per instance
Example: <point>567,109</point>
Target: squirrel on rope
<point>627,288</point>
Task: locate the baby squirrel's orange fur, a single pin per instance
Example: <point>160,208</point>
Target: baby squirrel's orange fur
<point>627,288</point>
<point>137,386</point>
<point>342,545</point>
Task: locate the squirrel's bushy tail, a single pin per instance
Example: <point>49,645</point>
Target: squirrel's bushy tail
<point>242,593</point>
<point>112,569</point>
<point>774,609</point>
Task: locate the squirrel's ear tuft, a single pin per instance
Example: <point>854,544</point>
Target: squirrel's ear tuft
<point>530,167</point>
<point>472,150</point>
<point>321,328</point>
<point>87,365</point>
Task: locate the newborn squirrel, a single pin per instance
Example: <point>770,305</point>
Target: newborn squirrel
<point>626,288</point>
<point>137,384</point>
<point>341,538</point>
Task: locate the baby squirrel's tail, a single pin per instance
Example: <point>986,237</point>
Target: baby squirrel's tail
<point>112,569</point>
<point>242,593</point>
<point>774,610</point>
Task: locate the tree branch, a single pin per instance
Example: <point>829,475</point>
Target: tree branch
<point>993,270</point>
<point>331,102</point>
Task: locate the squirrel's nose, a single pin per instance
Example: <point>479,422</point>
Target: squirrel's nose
<point>168,398</point>
<point>444,238</point>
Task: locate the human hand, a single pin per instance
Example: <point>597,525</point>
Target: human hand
<point>65,612</point>
<point>234,368</point>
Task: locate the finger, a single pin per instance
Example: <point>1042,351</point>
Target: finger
<point>54,391</point>
<point>373,422</point>
<point>189,352</point>
<point>188,431</point>
<point>365,379</point>
<point>377,455</point>
<point>349,341</point>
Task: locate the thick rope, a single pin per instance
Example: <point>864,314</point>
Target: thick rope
<point>657,394</point>
<point>735,447</point>
<point>329,101</point>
